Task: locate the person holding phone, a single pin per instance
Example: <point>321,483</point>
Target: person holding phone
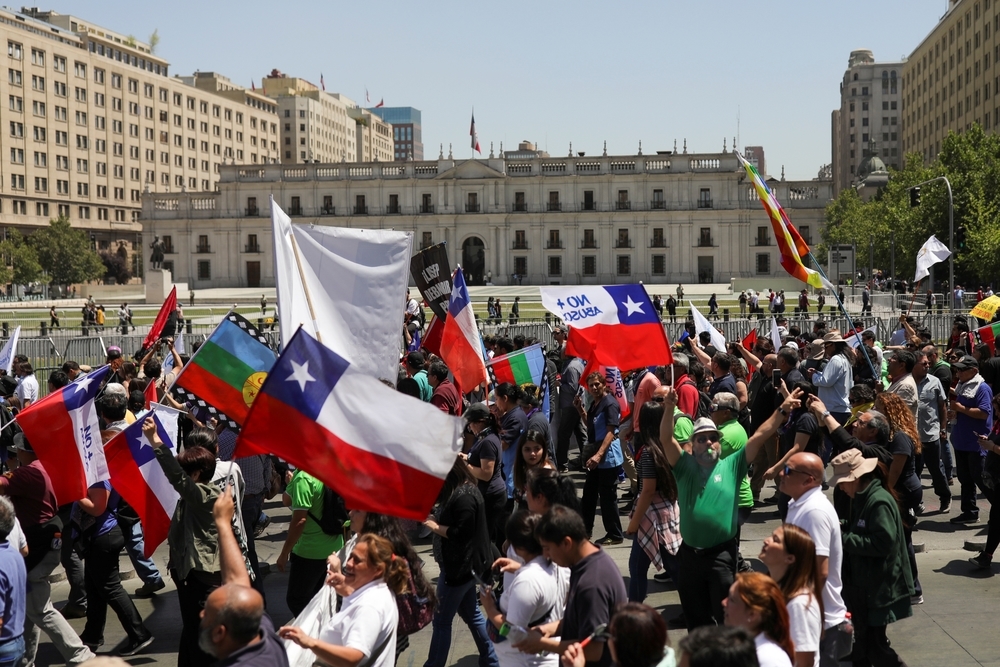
<point>991,489</point>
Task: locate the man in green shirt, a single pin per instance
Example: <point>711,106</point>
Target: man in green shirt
<point>708,494</point>
<point>415,369</point>
<point>733,437</point>
<point>306,546</point>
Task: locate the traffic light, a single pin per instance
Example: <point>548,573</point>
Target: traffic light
<point>960,238</point>
<point>915,197</point>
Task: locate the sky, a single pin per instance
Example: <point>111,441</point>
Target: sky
<point>553,71</point>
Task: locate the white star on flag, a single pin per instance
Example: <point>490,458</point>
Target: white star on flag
<point>83,384</point>
<point>632,306</point>
<point>301,375</point>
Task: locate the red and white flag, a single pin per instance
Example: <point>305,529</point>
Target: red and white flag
<point>166,310</point>
<point>137,476</point>
<point>375,459</point>
<point>461,345</point>
<point>322,84</point>
<point>367,98</point>
<point>381,103</point>
<point>150,391</point>
<point>474,135</point>
<point>63,430</point>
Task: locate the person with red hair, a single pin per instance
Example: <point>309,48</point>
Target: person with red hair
<point>756,604</point>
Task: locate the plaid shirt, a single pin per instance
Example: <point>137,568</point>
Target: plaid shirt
<point>659,527</point>
<point>256,469</point>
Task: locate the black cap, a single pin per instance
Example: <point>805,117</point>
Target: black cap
<point>477,412</point>
<point>965,363</point>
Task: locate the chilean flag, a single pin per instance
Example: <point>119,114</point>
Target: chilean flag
<point>376,459</point>
<point>138,478</point>
<point>166,310</point>
<point>63,430</point>
<point>150,394</point>
<point>611,325</point>
<point>474,134</point>
<point>461,344</point>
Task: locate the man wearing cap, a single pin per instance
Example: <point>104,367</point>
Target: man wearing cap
<point>833,383</point>
<point>971,404</point>
<point>115,360</point>
<point>733,438</point>
<point>708,493</point>
<point>415,369</point>
<point>30,489</point>
<point>810,510</point>
<point>815,358</point>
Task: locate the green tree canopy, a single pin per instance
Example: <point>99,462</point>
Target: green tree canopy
<point>20,261</point>
<point>971,162</point>
<point>65,253</point>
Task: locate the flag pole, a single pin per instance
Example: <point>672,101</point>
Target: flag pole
<point>916,289</point>
<point>843,309</point>
<point>305,285</point>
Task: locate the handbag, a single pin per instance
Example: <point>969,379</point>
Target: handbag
<point>415,612</point>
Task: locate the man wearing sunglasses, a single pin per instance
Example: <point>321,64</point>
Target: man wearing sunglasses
<point>708,489</point>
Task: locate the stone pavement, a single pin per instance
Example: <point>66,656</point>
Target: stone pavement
<point>954,627</point>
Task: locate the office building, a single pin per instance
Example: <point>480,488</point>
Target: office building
<point>868,120</point>
<point>661,219</point>
<point>407,135</point>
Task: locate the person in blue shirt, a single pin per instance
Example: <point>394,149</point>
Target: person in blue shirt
<point>13,590</point>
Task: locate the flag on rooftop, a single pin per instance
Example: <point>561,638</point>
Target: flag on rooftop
<point>474,134</point>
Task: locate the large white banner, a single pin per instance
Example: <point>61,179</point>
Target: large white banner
<point>9,350</point>
<point>346,287</point>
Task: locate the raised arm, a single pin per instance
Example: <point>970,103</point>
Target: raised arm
<point>748,356</point>
<point>234,570</point>
<point>700,354</point>
<point>770,427</point>
<point>671,447</point>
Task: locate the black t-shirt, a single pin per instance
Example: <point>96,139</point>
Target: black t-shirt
<point>908,480</point>
<point>801,423</point>
<point>762,396</point>
<point>725,383</point>
<point>990,370</point>
<point>942,371</point>
<point>595,589</point>
<point>487,448</point>
<point>268,652</point>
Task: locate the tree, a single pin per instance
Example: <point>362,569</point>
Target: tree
<point>116,267</point>
<point>20,265</point>
<point>65,253</point>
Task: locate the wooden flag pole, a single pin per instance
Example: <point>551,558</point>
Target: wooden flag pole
<point>916,289</point>
<point>305,285</point>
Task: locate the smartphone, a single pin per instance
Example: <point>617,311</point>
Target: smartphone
<point>776,377</point>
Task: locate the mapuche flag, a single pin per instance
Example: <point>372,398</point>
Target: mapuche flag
<point>989,335</point>
<point>229,368</point>
<point>521,367</point>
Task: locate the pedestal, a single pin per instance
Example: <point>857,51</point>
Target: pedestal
<point>159,282</point>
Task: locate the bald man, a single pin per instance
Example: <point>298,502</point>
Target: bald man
<point>234,628</point>
<point>810,510</point>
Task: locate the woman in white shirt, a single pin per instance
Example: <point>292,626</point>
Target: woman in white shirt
<point>533,596</point>
<point>790,556</point>
<point>756,604</point>
<point>364,630</point>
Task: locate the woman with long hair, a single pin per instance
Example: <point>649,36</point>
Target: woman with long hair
<point>602,459</point>
<point>364,630</point>
<point>637,637</point>
<point>655,519</point>
<point>904,445</point>
<point>756,604</point>
<point>877,581</point>
<point>484,464</point>
<point>531,403</point>
<point>465,552</point>
<point>790,556</point>
<point>534,453</point>
<point>513,426</point>
<point>545,487</point>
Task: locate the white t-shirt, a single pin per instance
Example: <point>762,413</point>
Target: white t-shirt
<point>532,597</point>
<point>805,625</point>
<point>814,514</point>
<point>770,654</point>
<point>27,389</point>
<point>366,622</point>
<point>16,536</point>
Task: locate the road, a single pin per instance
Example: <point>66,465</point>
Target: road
<point>953,627</point>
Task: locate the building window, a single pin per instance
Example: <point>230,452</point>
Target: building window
<point>589,265</point>
<point>521,266</point>
<point>295,208</point>
<point>705,198</point>
<point>203,244</point>
<point>659,240</point>
<point>623,239</point>
<point>472,202</point>
<point>555,243</point>
<point>554,204</point>
<point>659,265</point>
<point>763,264</point>
<point>763,238</point>
<point>589,239</point>
<point>520,239</point>
<point>252,245</point>
<point>804,232</point>
<point>327,205</point>
<point>623,203</point>
<point>624,265</point>
<point>705,237</point>
<point>555,266</point>
<point>360,208</point>
<point>425,204</point>
<point>588,200</point>
<point>657,202</point>
<point>520,206</point>
<point>393,204</point>
<point>204,269</point>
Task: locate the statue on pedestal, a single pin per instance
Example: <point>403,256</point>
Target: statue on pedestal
<point>156,259</point>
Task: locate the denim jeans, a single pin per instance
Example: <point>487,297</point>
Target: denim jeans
<point>462,600</point>
<point>947,460</point>
<point>145,568</point>
<point>935,466</point>
<point>12,651</point>
<point>638,568</point>
<point>39,615</point>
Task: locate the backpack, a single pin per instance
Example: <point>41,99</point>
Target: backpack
<point>334,513</point>
<point>704,402</point>
<point>421,315</point>
<point>8,432</point>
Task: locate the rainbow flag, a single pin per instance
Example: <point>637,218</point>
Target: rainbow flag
<point>989,335</point>
<point>229,368</point>
<point>521,367</point>
<point>790,243</point>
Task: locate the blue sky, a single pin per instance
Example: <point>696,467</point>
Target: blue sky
<point>555,71</point>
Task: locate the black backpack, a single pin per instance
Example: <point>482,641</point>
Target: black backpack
<point>8,432</point>
<point>704,402</point>
<point>334,513</point>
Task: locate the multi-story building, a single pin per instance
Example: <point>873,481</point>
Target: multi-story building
<point>869,118</point>
<point>950,80</point>
<point>755,156</point>
<point>570,220</point>
<point>407,135</point>
<point>93,120</point>
<point>315,125</point>
<point>373,138</point>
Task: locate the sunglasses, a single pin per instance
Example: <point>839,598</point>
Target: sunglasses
<point>788,470</point>
<point>707,438</point>
<point>658,399</point>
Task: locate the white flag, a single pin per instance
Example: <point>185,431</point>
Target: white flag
<point>345,287</point>
<point>775,334</point>
<point>932,252</point>
<point>701,324</point>
<point>855,338</point>
<point>9,350</point>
